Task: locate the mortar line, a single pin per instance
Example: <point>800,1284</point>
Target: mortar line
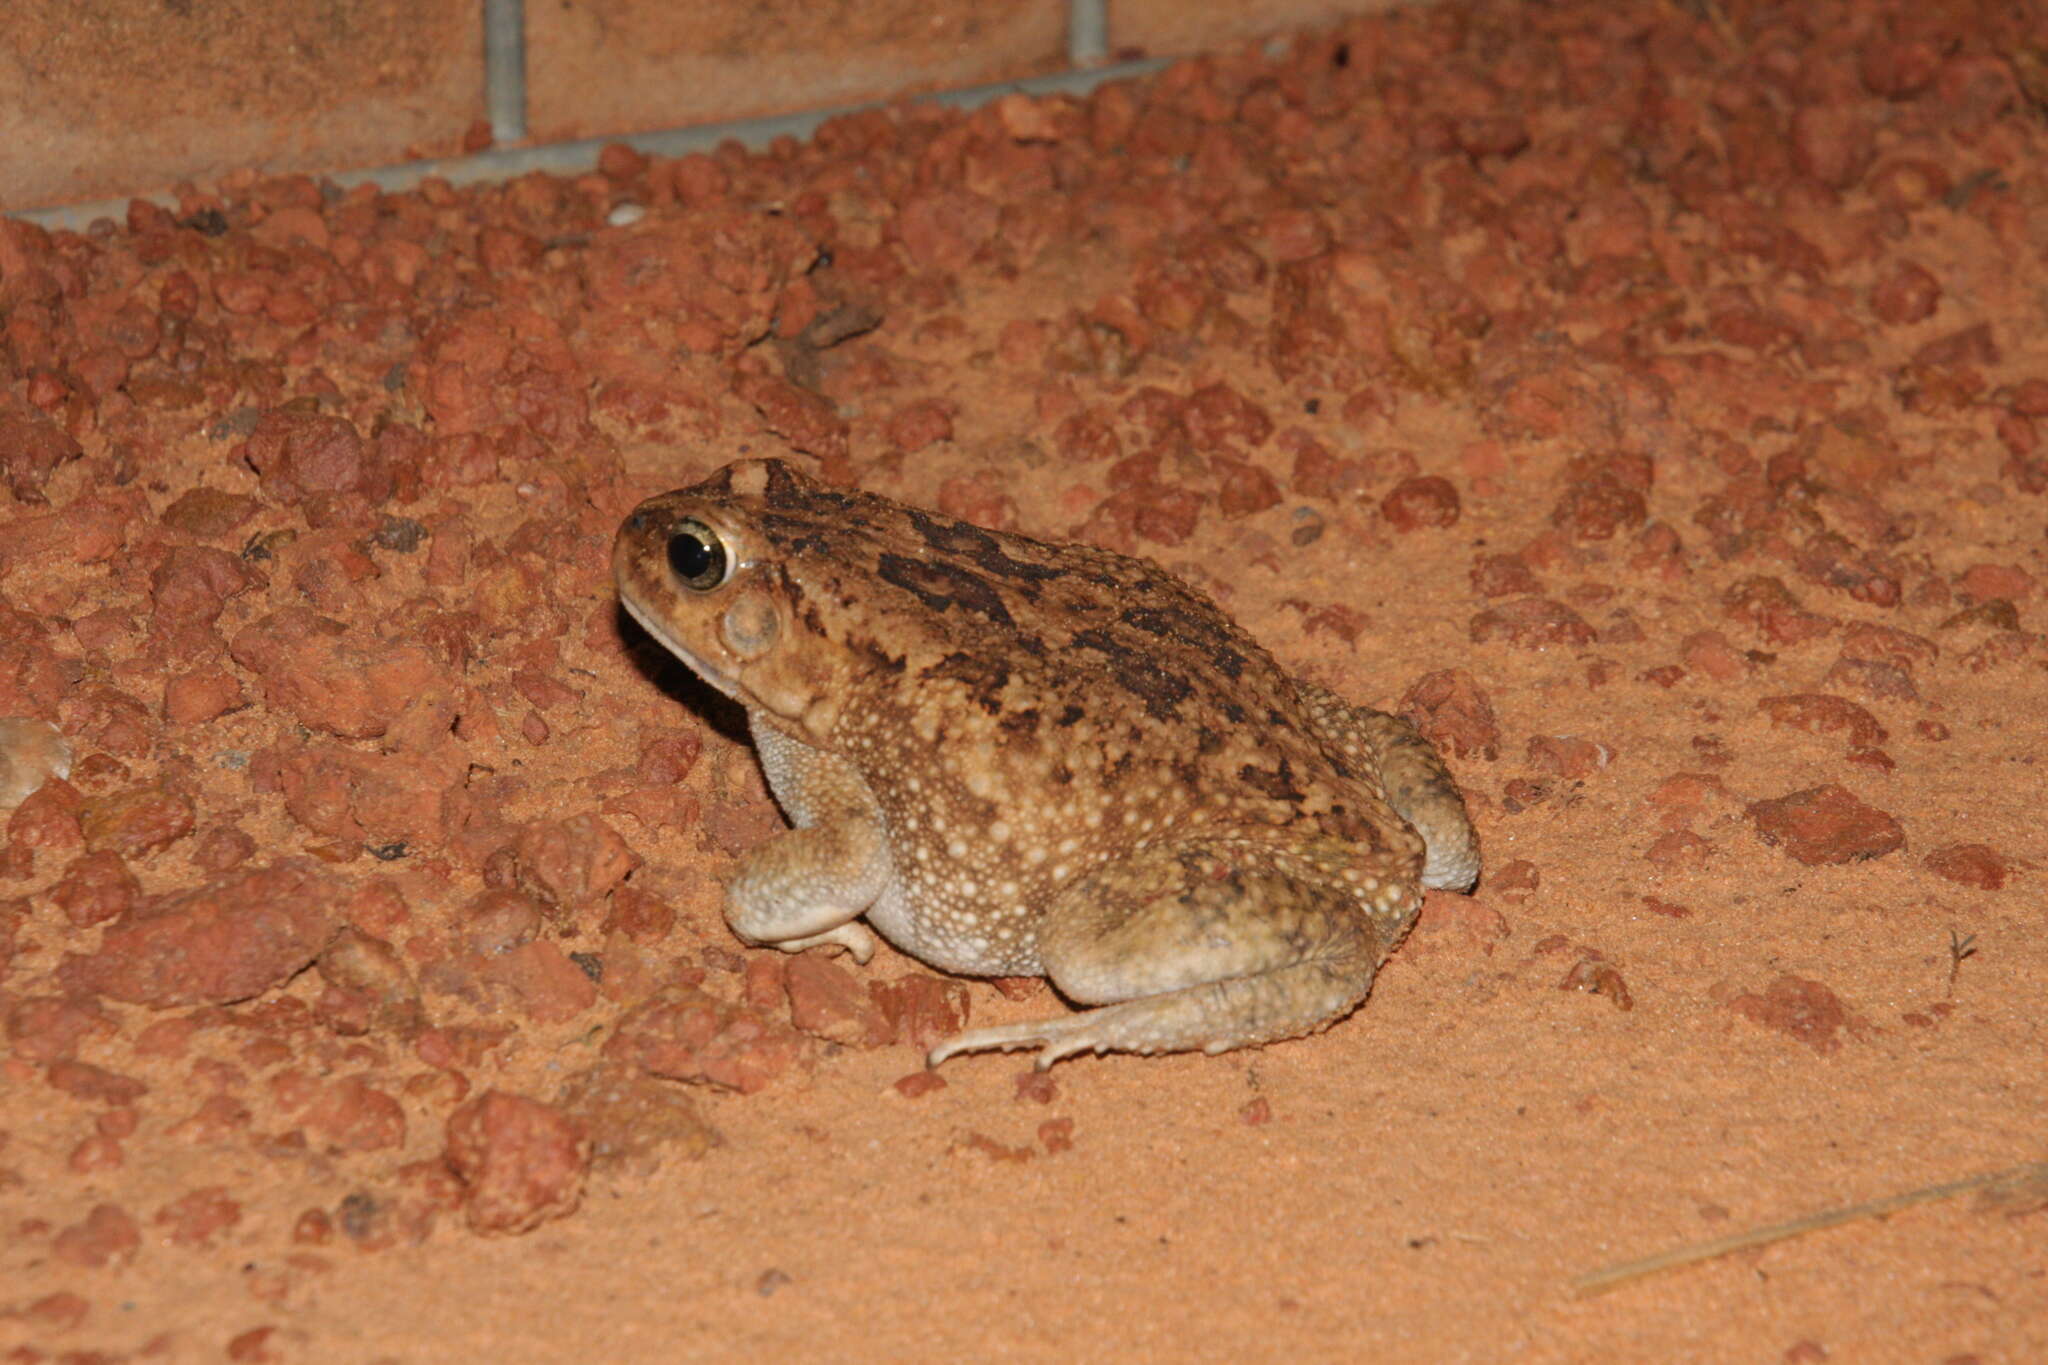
<point>573,158</point>
<point>1088,32</point>
<point>505,68</point>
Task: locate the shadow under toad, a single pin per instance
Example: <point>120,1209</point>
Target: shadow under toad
<point>718,711</point>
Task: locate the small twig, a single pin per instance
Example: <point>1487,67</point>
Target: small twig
<point>1601,1281</point>
<point>1959,947</point>
<point>1970,184</point>
<point>1710,13</point>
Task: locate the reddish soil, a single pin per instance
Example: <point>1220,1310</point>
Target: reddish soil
<point>1650,404</point>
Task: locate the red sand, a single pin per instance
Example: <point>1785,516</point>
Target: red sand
<point>1651,405</point>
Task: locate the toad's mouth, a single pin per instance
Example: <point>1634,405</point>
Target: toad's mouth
<point>652,624</point>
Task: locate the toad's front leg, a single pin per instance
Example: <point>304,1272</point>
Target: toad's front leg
<point>1196,946</point>
<point>809,885</point>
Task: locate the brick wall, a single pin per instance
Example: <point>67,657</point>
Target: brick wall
<point>102,99</point>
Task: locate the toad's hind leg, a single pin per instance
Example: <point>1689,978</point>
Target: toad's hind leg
<point>1418,785</point>
<point>1209,946</point>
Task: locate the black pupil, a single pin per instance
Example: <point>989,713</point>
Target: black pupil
<point>697,561</point>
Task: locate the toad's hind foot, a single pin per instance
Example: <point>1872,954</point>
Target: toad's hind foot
<point>1418,785</point>
<point>1216,1016</point>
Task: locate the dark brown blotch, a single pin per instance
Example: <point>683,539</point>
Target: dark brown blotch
<point>1277,783</point>
<point>942,587</point>
<point>983,679</point>
<point>882,660</point>
<point>1139,674</point>
<point>1195,630</point>
<point>973,543</point>
<point>790,490</point>
<point>1341,822</point>
<point>795,535</point>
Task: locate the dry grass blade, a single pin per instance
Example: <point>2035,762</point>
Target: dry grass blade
<point>2031,1174</point>
<point>1714,17</point>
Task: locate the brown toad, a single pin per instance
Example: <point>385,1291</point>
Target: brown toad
<point>1020,758</point>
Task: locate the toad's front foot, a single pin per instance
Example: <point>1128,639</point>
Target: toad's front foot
<point>853,936</point>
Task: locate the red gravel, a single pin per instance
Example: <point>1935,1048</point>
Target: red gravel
<point>1645,399</point>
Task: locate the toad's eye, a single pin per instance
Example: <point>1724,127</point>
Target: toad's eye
<point>698,556</point>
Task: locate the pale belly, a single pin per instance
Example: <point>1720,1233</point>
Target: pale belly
<point>952,941</point>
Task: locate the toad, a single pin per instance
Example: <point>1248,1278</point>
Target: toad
<point>1013,757</point>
